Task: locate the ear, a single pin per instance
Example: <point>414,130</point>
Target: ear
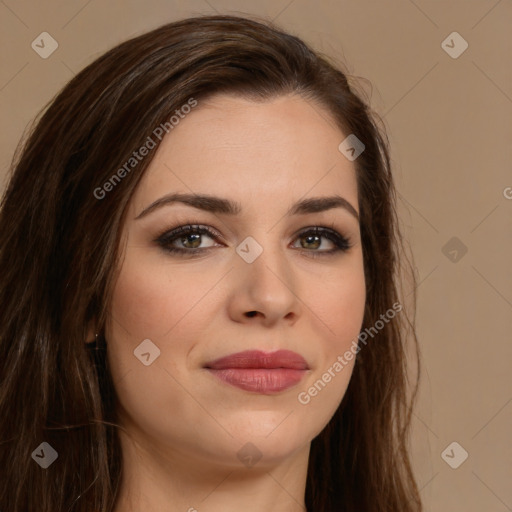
<point>91,333</point>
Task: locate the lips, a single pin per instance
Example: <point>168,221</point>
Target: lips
<point>259,359</point>
<point>260,372</point>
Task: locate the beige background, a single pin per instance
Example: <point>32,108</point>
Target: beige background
<point>449,123</point>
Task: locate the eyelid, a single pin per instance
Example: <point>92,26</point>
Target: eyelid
<point>210,231</point>
<point>341,242</point>
<point>202,229</point>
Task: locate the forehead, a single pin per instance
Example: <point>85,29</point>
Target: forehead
<point>272,149</point>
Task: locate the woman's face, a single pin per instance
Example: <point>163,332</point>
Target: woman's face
<point>262,281</point>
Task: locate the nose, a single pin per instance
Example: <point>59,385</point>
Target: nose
<point>265,290</point>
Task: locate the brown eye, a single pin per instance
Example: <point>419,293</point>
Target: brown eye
<point>311,241</point>
<point>186,239</point>
<point>194,239</point>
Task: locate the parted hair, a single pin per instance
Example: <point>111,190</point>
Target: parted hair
<point>60,251</point>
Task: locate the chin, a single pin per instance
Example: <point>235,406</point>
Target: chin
<point>275,433</point>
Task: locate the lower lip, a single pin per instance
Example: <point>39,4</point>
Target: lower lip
<point>260,380</point>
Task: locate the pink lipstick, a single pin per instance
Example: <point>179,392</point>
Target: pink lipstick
<point>260,372</point>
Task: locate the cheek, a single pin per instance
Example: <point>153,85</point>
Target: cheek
<point>340,305</point>
<point>147,303</point>
<point>340,302</point>
<point>149,300</point>
<point>155,301</point>
<point>348,312</point>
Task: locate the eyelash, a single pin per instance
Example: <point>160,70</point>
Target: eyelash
<point>341,242</point>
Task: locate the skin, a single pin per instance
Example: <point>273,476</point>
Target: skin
<point>182,427</point>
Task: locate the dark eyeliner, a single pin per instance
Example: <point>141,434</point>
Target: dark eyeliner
<point>342,243</point>
<point>169,236</point>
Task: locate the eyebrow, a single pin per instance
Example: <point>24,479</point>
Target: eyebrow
<point>220,205</point>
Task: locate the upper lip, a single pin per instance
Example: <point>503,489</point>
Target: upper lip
<point>260,359</point>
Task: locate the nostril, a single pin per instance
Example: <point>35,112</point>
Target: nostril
<point>251,313</point>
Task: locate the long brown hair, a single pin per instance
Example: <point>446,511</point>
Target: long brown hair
<point>59,251</point>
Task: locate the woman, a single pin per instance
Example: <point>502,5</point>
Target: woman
<point>199,297</point>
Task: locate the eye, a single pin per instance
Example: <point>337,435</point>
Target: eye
<point>187,240</point>
<point>189,237</point>
<point>311,241</point>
